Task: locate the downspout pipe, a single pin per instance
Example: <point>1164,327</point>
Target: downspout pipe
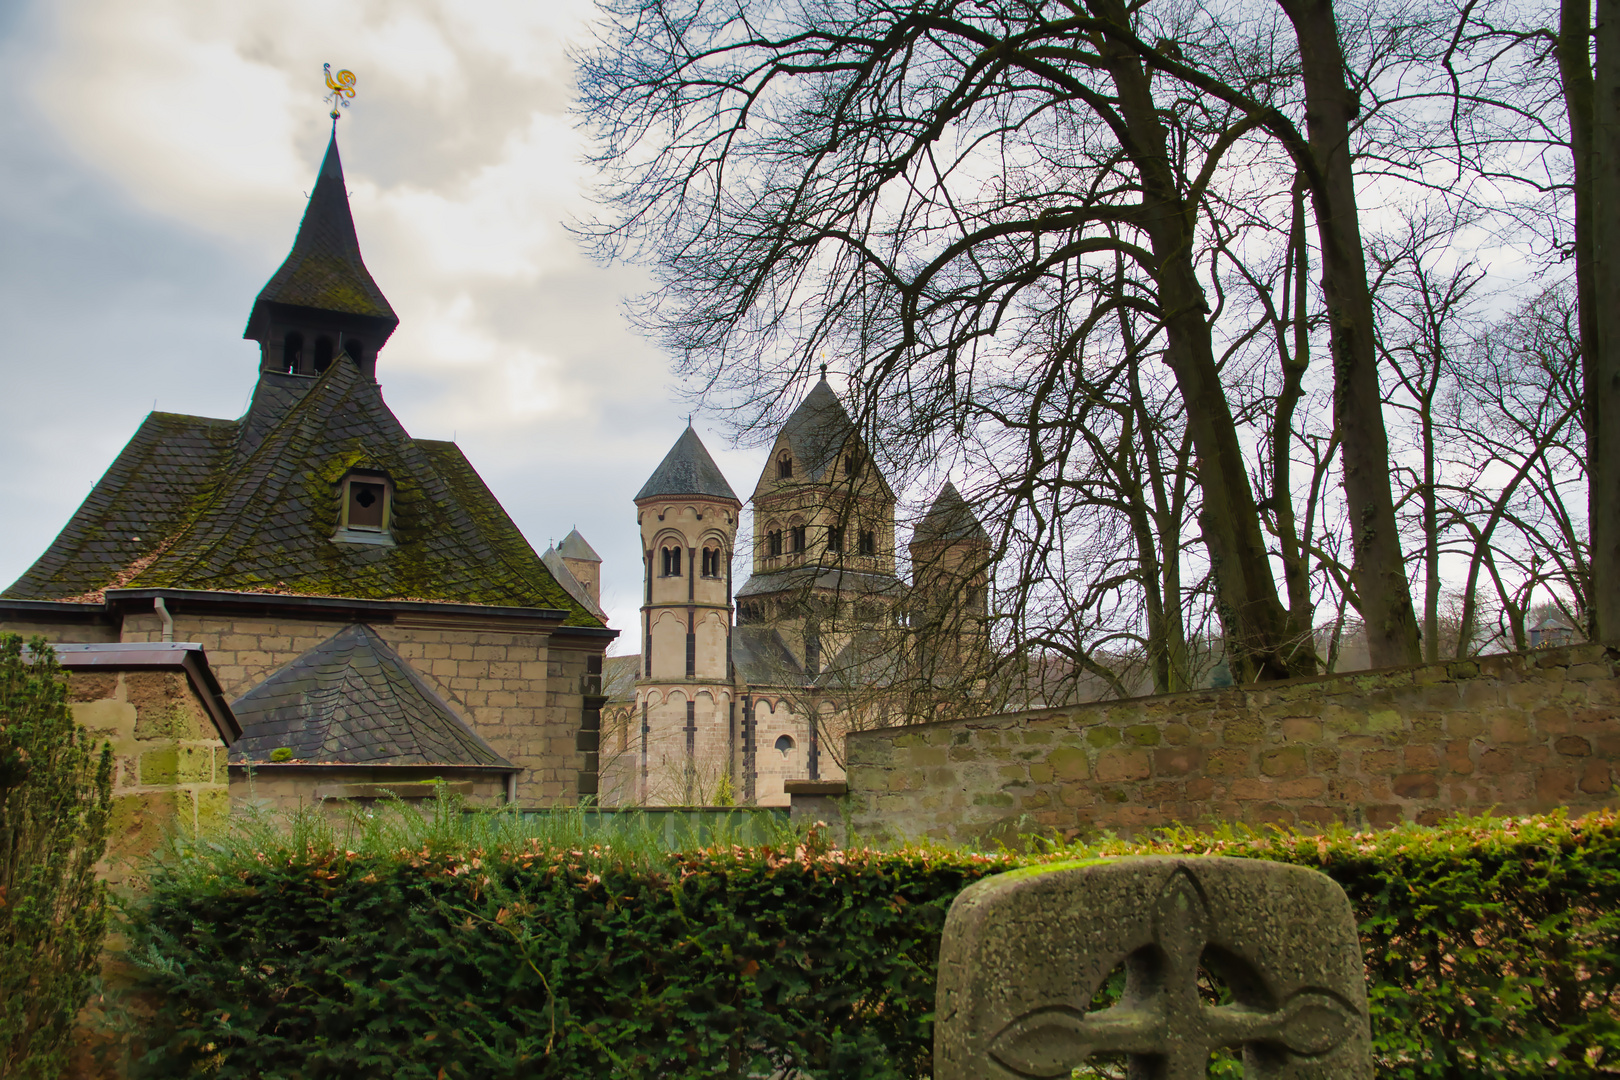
<point>162,610</point>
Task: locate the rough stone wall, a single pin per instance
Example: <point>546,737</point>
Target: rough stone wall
<point>168,760</point>
<point>517,690</point>
<point>66,633</point>
<point>1514,734</point>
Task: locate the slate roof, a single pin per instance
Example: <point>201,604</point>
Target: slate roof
<point>575,547</point>
<point>822,577</point>
<point>818,429</point>
<point>762,658</point>
<point>687,470</point>
<point>352,700</point>
<point>324,270</point>
<point>950,520</point>
<point>552,559</point>
<point>143,498</point>
<point>210,516</point>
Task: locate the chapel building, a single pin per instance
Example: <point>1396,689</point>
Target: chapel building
<point>370,611</point>
<point>741,690</point>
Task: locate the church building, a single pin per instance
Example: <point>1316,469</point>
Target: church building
<point>366,604</point>
<point>741,690</point>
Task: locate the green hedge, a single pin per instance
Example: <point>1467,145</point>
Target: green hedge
<point>1491,949</point>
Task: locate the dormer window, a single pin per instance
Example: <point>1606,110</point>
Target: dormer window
<point>367,514</point>
<point>784,467</point>
<point>672,562</point>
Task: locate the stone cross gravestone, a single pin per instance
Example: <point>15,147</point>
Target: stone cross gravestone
<point>1025,952</point>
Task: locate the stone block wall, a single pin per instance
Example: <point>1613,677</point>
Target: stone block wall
<point>169,768</point>
<point>520,691</point>
<point>1516,733</point>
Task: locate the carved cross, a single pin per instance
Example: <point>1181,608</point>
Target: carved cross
<point>1160,1017</point>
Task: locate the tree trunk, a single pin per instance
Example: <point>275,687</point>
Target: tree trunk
<point>1255,624</point>
<point>1593,95</point>
<point>1380,570</point>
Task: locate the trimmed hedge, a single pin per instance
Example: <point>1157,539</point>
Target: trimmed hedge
<point>1491,950</point>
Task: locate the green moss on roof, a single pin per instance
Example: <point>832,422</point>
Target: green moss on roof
<point>266,523</point>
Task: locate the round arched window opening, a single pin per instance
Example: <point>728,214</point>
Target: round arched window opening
<point>323,353</point>
<point>784,743</point>
<point>292,352</point>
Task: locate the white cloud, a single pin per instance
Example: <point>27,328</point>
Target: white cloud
<point>462,165</point>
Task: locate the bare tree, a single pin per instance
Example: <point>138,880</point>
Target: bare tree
<point>899,182</point>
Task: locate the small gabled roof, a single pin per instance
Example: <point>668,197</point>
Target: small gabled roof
<point>352,700</point>
<point>950,520</point>
<point>324,270</point>
<point>687,470</point>
<point>818,429</point>
<point>575,547</point>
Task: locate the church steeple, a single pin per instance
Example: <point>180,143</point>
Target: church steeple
<point>322,302</point>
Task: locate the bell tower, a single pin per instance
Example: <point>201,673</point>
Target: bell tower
<point>685,726</point>
<point>322,303</point>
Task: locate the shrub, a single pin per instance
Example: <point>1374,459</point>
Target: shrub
<point>55,799</point>
<point>418,949</point>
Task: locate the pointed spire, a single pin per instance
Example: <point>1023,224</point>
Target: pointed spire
<point>687,470</point>
<point>950,520</point>
<point>818,429</point>
<point>324,270</point>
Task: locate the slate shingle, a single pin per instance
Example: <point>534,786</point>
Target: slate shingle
<point>352,700</point>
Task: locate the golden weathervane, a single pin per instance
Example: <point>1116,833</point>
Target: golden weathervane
<point>341,83</point>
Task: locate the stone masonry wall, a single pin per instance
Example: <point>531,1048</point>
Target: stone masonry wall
<point>518,691</point>
<point>1514,734</point>
<point>169,766</point>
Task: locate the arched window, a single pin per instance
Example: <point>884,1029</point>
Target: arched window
<point>711,562</point>
<point>868,542</point>
<point>835,538</point>
<point>799,543</point>
<point>784,743</point>
<point>323,353</point>
<point>672,562</point>
<point>852,463</point>
<point>773,541</point>
<point>784,466</point>
<point>292,352</point>
<point>356,350</point>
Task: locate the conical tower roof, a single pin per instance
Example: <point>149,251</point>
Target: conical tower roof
<point>950,520</point>
<point>324,270</point>
<point>818,429</point>
<point>687,470</point>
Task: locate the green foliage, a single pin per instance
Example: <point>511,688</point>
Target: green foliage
<point>477,946</point>
<point>55,800</point>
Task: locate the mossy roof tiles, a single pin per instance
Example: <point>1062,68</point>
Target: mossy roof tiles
<point>213,515</point>
<point>324,270</point>
<point>352,700</point>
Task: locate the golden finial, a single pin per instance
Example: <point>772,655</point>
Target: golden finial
<point>342,86</point>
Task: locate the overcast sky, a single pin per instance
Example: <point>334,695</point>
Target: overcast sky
<point>157,155</point>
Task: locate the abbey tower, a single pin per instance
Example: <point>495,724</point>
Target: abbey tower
<point>739,691</point>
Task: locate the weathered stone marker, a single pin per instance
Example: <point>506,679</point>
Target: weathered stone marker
<point>1024,952</point>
